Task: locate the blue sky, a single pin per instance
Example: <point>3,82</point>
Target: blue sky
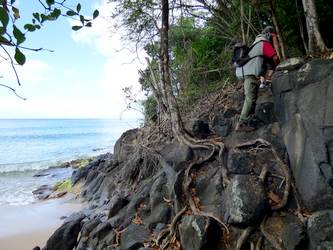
<point>82,78</point>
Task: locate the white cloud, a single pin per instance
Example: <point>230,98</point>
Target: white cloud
<point>121,65</point>
<point>67,107</point>
<point>101,36</point>
<point>32,73</point>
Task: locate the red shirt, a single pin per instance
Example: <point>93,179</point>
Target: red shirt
<point>268,49</point>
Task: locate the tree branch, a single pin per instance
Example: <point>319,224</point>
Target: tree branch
<point>12,64</point>
<point>12,89</point>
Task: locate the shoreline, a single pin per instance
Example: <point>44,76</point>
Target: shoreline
<point>26,226</point>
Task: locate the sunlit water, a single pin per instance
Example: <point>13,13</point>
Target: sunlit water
<point>27,146</point>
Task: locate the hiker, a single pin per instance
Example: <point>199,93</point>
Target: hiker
<point>261,62</point>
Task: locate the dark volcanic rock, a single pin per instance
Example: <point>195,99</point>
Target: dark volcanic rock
<point>43,192</point>
<point>290,64</point>
<point>101,230</point>
<point>240,162</point>
<point>244,200</point>
<point>134,237</point>
<point>320,230</point>
<point>265,112</point>
<point>57,172</point>
<point>208,186</point>
<point>198,233</point>
<point>125,145</point>
<point>116,203</point>
<point>158,215</point>
<point>294,237</point>
<point>175,154</point>
<point>65,237</point>
<point>198,127</point>
<point>221,125</point>
<point>303,105</point>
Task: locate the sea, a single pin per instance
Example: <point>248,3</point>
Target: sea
<point>28,146</point>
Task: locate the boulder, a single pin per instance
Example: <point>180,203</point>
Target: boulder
<point>221,125</point>
<point>320,230</point>
<point>240,162</point>
<point>116,203</point>
<point>198,127</point>
<point>134,237</point>
<point>290,64</point>
<point>101,230</point>
<point>264,112</point>
<point>303,106</point>
<point>294,237</point>
<point>208,188</point>
<point>244,200</point>
<point>65,237</point>
<point>176,154</point>
<point>198,233</point>
<point>43,192</point>
<point>125,145</point>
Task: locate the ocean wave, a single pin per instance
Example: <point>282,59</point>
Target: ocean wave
<point>48,136</point>
<point>28,166</point>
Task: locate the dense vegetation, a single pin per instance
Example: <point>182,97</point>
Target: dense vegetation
<point>202,33</point>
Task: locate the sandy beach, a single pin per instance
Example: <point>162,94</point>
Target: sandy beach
<point>24,227</point>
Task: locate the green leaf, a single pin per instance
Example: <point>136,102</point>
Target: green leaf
<point>4,40</point>
<point>4,18</point>
<point>55,14</point>
<point>78,7</point>
<point>36,16</point>
<point>96,14</point>
<point>50,2</point>
<point>16,12</point>
<point>37,26</point>
<point>30,27</point>
<point>20,37</point>
<point>71,13</point>
<point>88,24</point>
<point>82,19</point>
<point>12,2</point>
<point>76,27</point>
<point>43,18</point>
<point>19,57</point>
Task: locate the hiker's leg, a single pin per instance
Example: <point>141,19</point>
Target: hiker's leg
<point>250,91</point>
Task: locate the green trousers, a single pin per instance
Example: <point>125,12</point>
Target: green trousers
<point>251,94</point>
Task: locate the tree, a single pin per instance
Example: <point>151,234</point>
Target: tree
<point>315,40</point>
<point>12,37</point>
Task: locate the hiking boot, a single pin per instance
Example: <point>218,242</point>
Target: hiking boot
<point>244,128</point>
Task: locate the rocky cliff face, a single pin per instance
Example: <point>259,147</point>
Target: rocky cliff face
<point>303,100</point>
<point>154,195</point>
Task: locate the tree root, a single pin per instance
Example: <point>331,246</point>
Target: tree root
<point>269,237</point>
<point>259,243</point>
<point>284,167</point>
<point>263,173</point>
<point>298,204</point>
<point>189,198</point>
<point>243,238</point>
<point>209,144</point>
<point>252,246</point>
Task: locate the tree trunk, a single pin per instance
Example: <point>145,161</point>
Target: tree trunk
<point>175,120</point>
<point>278,45</point>
<point>301,29</point>
<point>315,41</point>
<point>242,21</point>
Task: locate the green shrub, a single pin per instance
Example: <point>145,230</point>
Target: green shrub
<point>150,109</point>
